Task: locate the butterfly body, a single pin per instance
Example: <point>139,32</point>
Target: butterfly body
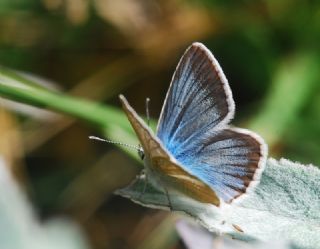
<point>161,169</point>
<point>194,151</point>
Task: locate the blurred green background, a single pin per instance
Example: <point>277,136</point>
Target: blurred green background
<point>96,49</point>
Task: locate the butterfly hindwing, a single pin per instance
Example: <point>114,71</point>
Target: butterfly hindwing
<point>229,160</point>
<point>164,166</point>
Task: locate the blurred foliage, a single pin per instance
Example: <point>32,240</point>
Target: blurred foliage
<point>96,49</point>
<point>21,228</point>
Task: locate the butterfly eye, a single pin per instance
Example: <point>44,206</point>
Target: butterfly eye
<point>141,153</point>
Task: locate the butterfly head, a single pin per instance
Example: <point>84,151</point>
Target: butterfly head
<point>141,152</point>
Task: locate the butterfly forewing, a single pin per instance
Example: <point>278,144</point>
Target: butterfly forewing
<point>163,165</point>
<point>199,99</point>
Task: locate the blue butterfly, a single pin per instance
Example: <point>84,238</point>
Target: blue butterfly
<point>194,151</point>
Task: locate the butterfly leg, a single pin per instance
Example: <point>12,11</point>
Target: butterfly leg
<point>144,185</point>
<point>169,200</point>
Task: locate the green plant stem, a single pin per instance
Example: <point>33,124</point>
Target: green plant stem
<point>89,111</point>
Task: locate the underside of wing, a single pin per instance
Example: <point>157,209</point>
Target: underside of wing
<point>230,161</point>
<point>199,99</point>
<point>173,175</point>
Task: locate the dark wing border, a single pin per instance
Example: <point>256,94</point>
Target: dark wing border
<point>261,164</point>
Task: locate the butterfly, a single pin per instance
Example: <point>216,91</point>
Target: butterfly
<point>195,151</point>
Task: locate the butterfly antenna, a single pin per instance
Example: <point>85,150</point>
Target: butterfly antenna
<point>138,148</point>
<point>147,111</point>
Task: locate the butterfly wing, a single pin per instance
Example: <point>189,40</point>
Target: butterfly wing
<point>165,165</point>
<point>193,127</point>
<point>229,160</point>
<point>199,99</point>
